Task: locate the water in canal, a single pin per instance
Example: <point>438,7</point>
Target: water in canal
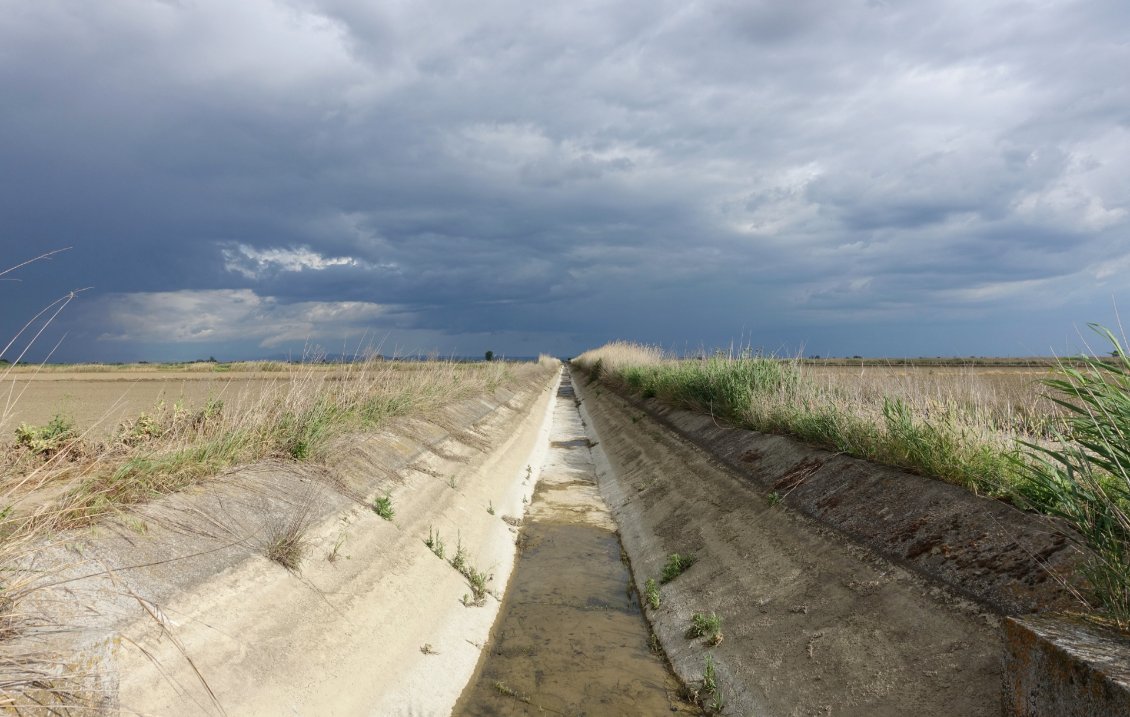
<point>570,638</point>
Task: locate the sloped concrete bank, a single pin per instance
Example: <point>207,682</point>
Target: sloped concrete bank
<point>176,609</point>
<point>877,592</point>
<point>988,551</point>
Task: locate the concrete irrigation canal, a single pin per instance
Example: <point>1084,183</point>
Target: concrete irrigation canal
<point>571,638</point>
<point>505,578</point>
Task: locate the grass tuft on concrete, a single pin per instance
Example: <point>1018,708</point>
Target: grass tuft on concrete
<point>675,566</point>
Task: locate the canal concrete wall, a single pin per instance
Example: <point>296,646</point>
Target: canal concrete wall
<point>1016,566</point>
<point>810,623</point>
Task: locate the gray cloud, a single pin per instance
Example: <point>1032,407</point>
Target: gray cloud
<point>553,176</point>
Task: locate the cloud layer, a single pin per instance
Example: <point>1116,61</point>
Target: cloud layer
<point>939,177</point>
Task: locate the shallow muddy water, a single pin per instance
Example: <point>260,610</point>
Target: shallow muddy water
<point>570,639</point>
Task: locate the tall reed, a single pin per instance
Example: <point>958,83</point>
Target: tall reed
<point>1085,477</point>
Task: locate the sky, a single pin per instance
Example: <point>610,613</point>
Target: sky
<point>252,179</point>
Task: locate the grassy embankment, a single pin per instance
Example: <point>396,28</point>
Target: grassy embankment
<point>1066,454</point>
<point>172,446</point>
<point>297,418</point>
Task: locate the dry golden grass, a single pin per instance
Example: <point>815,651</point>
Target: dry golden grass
<point>171,446</point>
<point>1005,399</point>
<point>620,354</point>
<point>991,399</point>
<point>959,424</point>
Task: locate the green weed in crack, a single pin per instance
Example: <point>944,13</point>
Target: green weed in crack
<point>709,678</point>
<point>705,692</point>
<point>459,562</point>
<point>675,566</point>
<point>383,507</point>
<point>708,626</point>
<point>710,686</point>
<point>434,543</point>
<point>477,580</point>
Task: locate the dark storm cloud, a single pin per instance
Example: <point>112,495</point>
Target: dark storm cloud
<point>242,177</point>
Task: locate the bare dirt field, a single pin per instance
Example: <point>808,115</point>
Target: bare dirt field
<point>99,401</point>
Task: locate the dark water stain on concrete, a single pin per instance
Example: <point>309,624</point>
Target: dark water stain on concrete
<point>574,443</point>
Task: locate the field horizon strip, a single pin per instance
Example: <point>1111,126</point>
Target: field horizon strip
<point>1057,444</point>
<point>170,445</point>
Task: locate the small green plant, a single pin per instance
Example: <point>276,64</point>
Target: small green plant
<point>708,626</point>
<point>478,581</point>
<point>452,482</point>
<point>775,498</point>
<point>675,566</point>
<point>299,449</point>
<point>698,692</point>
<point>48,439</point>
<point>336,551</point>
<point>459,562</point>
<point>213,410</point>
<point>717,703</point>
<point>651,593</point>
<point>434,543</point>
<point>383,507</point>
<point>146,427</point>
<point>709,678</point>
